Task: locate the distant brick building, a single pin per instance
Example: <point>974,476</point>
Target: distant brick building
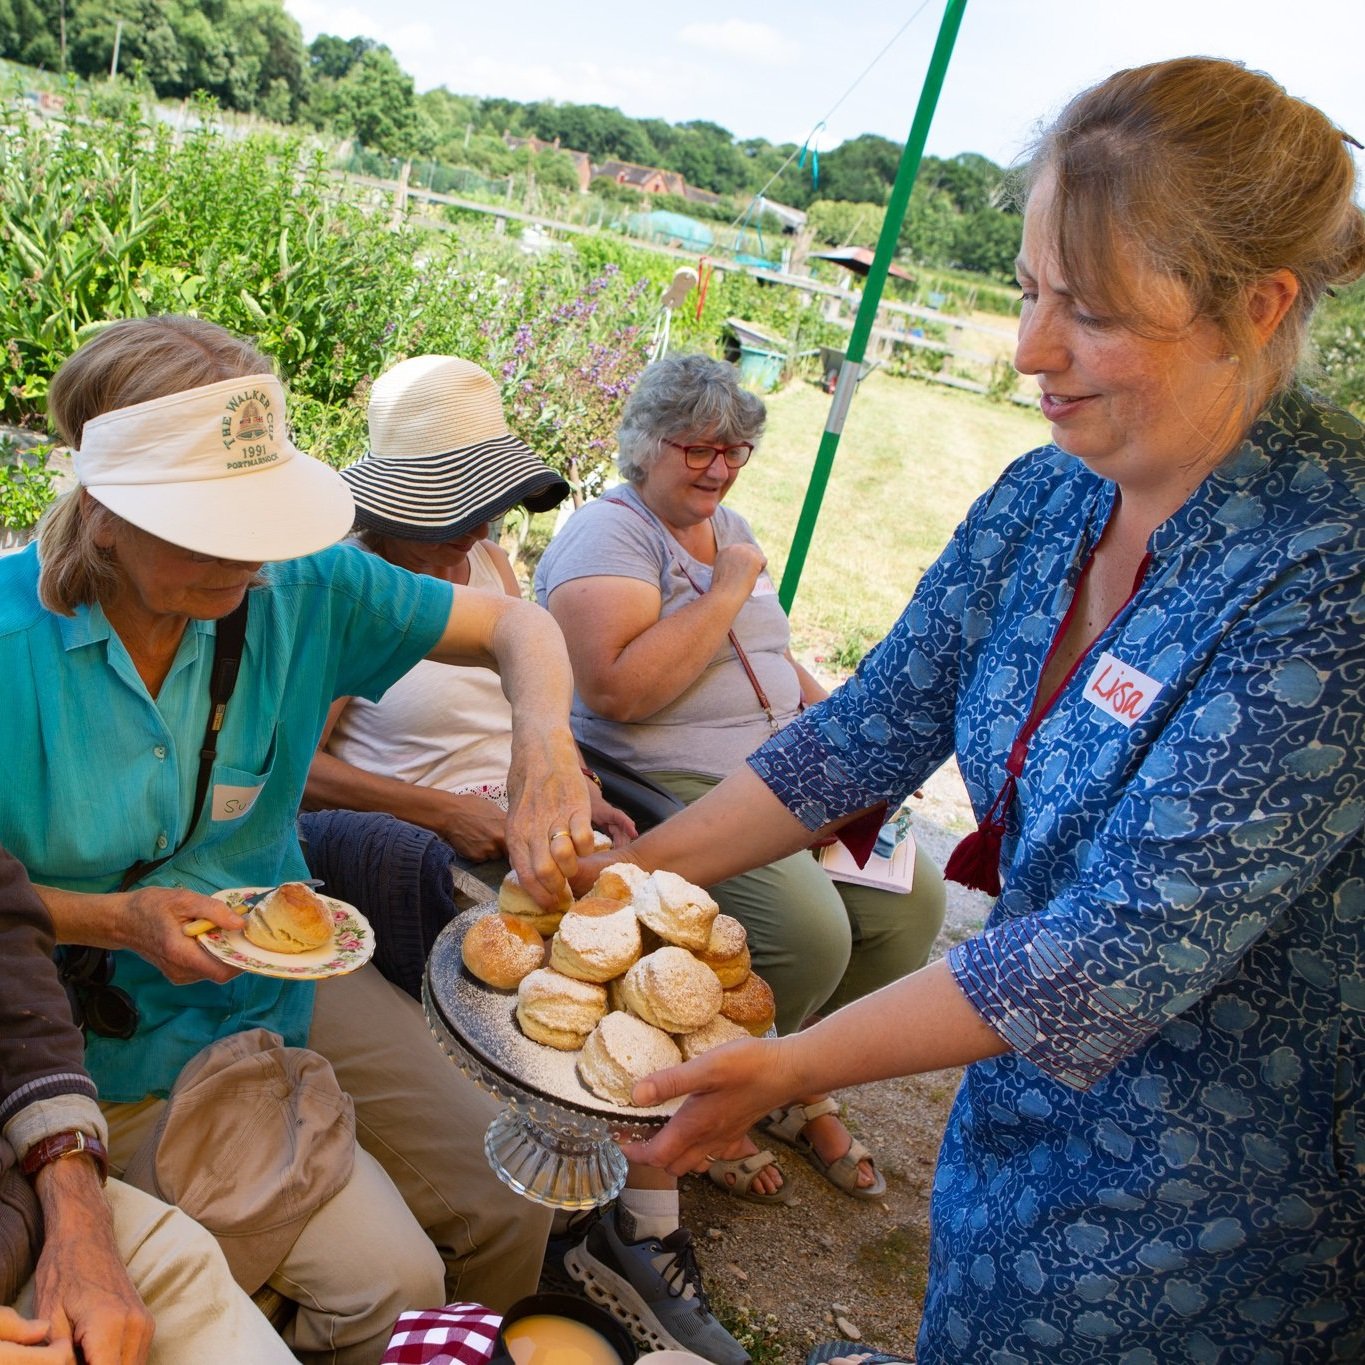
<point>581,160</point>
<point>649,179</point>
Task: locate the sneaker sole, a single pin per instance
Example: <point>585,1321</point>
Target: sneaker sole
<point>619,1297</point>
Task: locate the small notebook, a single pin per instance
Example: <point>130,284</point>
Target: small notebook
<point>895,873</point>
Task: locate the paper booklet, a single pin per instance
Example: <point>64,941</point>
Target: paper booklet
<point>895,873</point>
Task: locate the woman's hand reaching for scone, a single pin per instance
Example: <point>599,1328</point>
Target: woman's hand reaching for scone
<point>729,1089</point>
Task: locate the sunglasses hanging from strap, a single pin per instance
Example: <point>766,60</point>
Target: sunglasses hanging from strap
<point>87,973</point>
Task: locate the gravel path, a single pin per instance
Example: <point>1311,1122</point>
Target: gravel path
<point>828,1265</point>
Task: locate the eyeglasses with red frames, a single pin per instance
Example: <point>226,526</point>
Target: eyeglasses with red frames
<point>700,456</point>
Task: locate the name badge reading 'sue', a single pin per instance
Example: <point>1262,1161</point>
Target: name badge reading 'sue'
<point>1119,690</point>
<point>231,803</point>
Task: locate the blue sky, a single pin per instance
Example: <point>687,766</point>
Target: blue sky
<point>776,69</point>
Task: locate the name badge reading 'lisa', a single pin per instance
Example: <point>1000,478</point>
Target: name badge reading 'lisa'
<point>1119,690</point>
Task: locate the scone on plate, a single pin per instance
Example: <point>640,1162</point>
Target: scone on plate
<point>596,947</point>
<point>620,1051</point>
<point>719,1030</point>
<point>501,949</point>
<point>619,881</point>
<point>750,1005</point>
<point>514,899</point>
<point>677,911</point>
<point>670,989</point>
<point>557,1010</point>
<point>727,951</point>
<point>291,919</point>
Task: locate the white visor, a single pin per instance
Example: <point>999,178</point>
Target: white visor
<point>211,470</point>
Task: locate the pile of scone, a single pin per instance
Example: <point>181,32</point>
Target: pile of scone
<point>640,974</point>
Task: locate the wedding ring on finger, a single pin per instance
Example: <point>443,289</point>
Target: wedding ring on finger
<point>560,834</point>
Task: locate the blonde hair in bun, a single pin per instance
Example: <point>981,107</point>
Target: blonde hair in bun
<point>1217,177</point>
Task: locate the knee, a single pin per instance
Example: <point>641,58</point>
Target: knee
<point>412,1276</point>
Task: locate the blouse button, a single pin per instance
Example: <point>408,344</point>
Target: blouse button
<point>161,841</point>
<point>160,751</point>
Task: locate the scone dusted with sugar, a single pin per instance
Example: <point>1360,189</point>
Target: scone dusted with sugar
<point>619,881</point>
<point>596,946</point>
<point>502,949</point>
<point>750,1005</point>
<point>680,913</point>
<point>670,989</point>
<point>719,1031</point>
<point>514,899</point>
<point>727,951</point>
<point>620,1051</point>
<point>557,1010</point>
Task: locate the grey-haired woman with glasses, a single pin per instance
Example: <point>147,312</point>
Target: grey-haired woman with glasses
<point>682,667</point>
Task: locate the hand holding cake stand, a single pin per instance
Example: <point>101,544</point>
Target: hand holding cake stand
<point>555,1142</point>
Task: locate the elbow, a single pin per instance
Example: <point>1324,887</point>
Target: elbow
<point>620,703</point>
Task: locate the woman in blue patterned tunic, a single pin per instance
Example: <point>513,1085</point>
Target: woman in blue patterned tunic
<point>1146,645</point>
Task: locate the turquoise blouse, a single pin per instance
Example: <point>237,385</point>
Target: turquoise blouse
<point>98,775</point>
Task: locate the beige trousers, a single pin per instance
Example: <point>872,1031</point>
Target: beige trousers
<point>201,1315</point>
<point>360,1260</point>
<point>420,1180</point>
<point>424,1121</point>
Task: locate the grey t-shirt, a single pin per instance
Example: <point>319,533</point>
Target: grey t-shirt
<point>717,722</point>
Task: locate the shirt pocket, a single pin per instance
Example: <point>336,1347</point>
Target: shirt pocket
<point>232,795</point>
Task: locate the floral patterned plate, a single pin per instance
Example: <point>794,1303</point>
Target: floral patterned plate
<point>351,947</point>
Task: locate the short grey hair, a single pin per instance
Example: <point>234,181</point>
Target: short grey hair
<point>685,393</point>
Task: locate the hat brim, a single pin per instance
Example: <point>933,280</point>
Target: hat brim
<point>440,497</point>
<point>285,512</point>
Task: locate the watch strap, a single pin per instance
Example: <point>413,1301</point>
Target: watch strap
<point>61,1145</point>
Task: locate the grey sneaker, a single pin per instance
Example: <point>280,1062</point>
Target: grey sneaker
<point>654,1288</point>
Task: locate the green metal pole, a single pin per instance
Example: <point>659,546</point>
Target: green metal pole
<point>872,294</point>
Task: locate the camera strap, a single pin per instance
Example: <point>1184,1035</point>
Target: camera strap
<point>228,644</point>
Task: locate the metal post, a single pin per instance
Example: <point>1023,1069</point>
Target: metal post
<point>872,292</point>
<point>118,37</point>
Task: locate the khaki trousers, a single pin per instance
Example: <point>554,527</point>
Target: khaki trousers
<point>424,1121</point>
<point>360,1260</point>
<point>420,1181</point>
<point>201,1315</point>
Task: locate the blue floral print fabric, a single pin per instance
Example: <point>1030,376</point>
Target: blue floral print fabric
<point>1169,1165</point>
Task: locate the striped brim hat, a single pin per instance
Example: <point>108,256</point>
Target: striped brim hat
<point>441,459</point>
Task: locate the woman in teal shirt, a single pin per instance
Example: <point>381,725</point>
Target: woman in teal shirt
<point>190,496</point>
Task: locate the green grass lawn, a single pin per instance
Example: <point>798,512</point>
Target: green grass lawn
<point>912,458</point>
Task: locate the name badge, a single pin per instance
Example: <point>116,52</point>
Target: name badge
<point>231,803</point>
<point>764,586</point>
<point>1119,690</point>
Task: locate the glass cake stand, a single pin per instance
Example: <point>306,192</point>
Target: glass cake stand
<point>555,1142</point>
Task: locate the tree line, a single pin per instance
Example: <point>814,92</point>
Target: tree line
<point>250,56</point>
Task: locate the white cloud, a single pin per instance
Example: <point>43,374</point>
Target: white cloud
<point>759,43</point>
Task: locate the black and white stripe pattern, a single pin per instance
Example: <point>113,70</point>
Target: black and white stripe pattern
<point>439,497</point>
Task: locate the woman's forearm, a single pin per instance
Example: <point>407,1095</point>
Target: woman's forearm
<point>735,827</point>
<point>655,668</point>
<point>334,784</point>
<point>84,917</point>
<point>922,1022</point>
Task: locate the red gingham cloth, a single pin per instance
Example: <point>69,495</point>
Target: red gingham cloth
<point>458,1334</point>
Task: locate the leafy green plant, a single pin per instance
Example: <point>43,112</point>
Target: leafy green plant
<point>1339,340</point>
<point>27,485</point>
